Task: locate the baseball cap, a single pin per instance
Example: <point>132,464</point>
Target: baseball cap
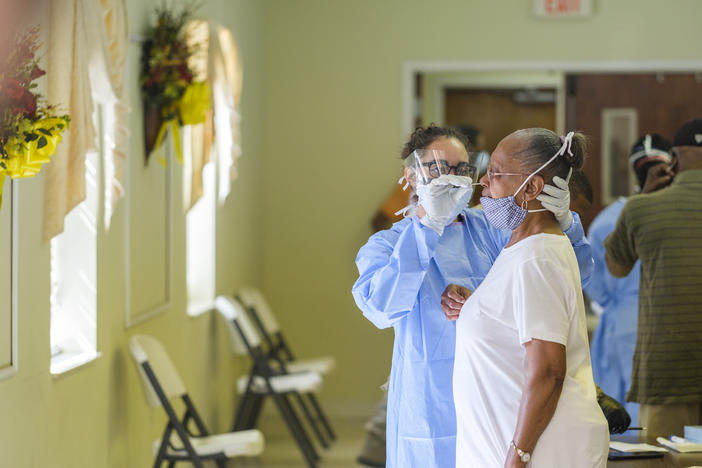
<point>690,134</point>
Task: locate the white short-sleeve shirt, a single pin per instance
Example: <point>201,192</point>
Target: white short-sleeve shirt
<point>532,291</point>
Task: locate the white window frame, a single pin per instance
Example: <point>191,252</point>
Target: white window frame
<point>71,353</point>
<point>13,204</point>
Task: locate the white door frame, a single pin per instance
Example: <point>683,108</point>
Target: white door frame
<point>410,68</point>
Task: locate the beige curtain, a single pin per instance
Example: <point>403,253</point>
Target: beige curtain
<point>108,75</point>
<point>86,62</point>
<point>226,83</point>
<point>68,85</point>
<point>198,37</point>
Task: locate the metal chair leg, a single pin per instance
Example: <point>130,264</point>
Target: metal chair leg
<point>300,427</point>
<point>241,415</point>
<point>255,410</point>
<point>322,416</point>
<point>312,421</point>
<point>309,455</point>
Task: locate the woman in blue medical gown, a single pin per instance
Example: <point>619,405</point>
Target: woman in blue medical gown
<point>402,274</point>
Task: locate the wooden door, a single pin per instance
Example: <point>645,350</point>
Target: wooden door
<point>496,112</point>
<point>662,102</point>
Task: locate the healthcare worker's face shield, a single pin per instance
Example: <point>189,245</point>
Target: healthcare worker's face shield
<point>424,165</point>
<point>479,162</point>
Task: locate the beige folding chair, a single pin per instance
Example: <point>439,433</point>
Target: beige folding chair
<point>279,350</point>
<point>161,383</point>
<point>265,380</point>
<point>265,320</point>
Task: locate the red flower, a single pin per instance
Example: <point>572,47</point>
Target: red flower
<point>36,73</point>
<point>184,73</point>
<point>156,75</point>
<point>29,104</point>
<point>17,99</point>
<point>13,90</point>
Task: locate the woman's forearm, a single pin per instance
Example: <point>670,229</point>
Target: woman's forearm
<point>539,401</point>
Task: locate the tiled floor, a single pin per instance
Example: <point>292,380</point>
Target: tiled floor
<point>282,452</point>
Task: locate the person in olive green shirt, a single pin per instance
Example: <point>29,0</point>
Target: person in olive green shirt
<point>664,231</point>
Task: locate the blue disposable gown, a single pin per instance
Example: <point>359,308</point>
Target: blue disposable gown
<point>403,272</point>
<point>612,349</point>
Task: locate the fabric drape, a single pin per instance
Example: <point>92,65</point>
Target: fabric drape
<point>226,84</point>
<point>201,135</point>
<point>109,39</point>
<point>87,50</point>
<point>69,86</point>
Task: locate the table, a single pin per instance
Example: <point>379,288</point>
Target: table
<point>671,459</point>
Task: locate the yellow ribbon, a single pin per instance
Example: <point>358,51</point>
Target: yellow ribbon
<point>192,108</point>
<point>24,158</point>
<point>194,103</point>
<point>175,134</point>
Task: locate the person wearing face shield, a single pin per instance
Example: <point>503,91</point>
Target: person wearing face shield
<point>522,382</point>
<point>663,230</point>
<point>616,300</point>
<point>402,273</point>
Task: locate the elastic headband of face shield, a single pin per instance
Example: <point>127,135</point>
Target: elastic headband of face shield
<point>647,153</point>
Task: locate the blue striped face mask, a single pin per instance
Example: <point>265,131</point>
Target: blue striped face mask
<point>505,213</point>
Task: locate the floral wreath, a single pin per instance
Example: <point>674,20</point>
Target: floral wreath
<point>171,96</point>
<point>30,128</point>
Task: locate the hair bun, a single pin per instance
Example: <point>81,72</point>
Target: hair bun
<point>578,149</point>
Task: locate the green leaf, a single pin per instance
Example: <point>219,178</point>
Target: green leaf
<point>42,142</point>
<point>44,131</point>
<point>30,136</point>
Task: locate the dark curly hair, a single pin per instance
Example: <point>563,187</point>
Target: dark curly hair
<point>425,136</point>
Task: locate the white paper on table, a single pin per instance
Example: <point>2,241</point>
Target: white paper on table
<point>680,445</point>
<point>626,447</point>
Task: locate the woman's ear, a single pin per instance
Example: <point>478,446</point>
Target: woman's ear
<point>534,187</point>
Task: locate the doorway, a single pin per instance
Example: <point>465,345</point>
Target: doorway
<point>586,93</point>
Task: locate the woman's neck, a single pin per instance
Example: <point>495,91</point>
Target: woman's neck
<point>535,223</point>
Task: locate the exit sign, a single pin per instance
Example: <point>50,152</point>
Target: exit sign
<point>562,8</point>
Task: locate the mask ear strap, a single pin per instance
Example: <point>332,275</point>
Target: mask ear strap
<point>403,179</point>
<point>567,140</point>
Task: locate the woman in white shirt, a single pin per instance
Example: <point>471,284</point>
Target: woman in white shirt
<point>522,383</point>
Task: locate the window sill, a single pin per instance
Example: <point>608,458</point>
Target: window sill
<point>196,309</point>
<point>66,362</point>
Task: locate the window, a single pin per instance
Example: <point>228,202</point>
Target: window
<point>200,236</point>
<point>8,280</point>
<point>74,279</point>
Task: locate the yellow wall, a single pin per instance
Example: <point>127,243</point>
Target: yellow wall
<point>333,104</point>
<point>95,416</point>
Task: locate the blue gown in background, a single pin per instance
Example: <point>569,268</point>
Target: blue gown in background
<point>402,273</point>
<point>612,348</point>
